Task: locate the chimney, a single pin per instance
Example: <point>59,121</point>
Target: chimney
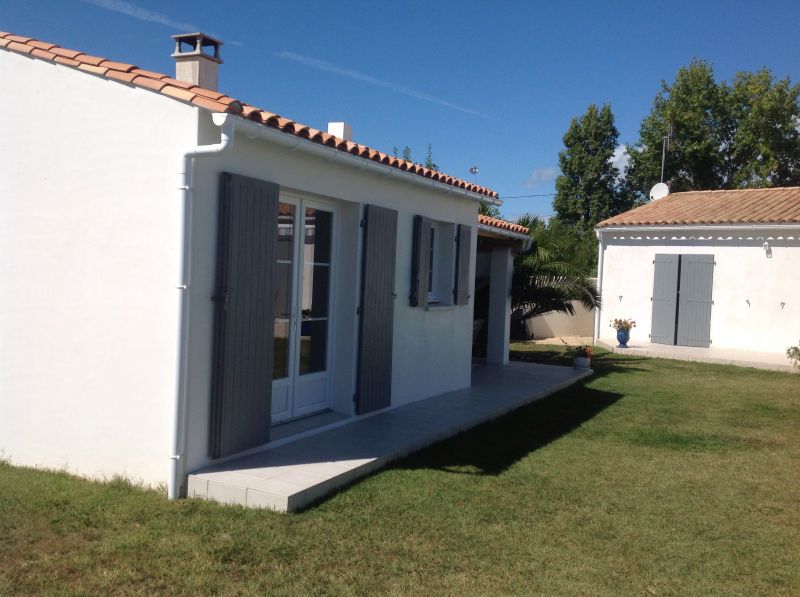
<point>197,59</point>
<point>341,130</point>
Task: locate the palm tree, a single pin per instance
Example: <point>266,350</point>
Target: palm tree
<point>555,271</point>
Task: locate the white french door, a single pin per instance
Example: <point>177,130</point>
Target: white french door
<point>302,303</point>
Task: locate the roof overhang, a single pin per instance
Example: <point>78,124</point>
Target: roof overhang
<point>694,228</point>
<point>253,130</point>
<point>491,232</point>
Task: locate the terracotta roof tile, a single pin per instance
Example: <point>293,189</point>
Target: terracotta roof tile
<point>501,224</point>
<point>18,38</point>
<point>148,83</point>
<point>120,66</point>
<point>66,61</point>
<point>148,73</point>
<point>178,93</point>
<point>121,76</point>
<point>779,205</point>
<point>20,47</point>
<point>40,44</point>
<point>216,102</point>
<point>87,59</point>
<point>209,93</point>
<point>90,68</point>
<point>43,54</point>
<point>64,52</point>
<point>251,113</point>
<point>210,104</point>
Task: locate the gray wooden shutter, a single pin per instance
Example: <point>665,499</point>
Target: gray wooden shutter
<point>243,334</point>
<point>463,257</point>
<point>420,262</point>
<point>694,304</point>
<point>376,325</point>
<point>665,299</point>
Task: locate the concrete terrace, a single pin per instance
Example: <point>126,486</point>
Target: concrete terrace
<point>292,475</point>
<point>723,356</point>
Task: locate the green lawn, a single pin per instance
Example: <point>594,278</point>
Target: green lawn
<point>654,477</point>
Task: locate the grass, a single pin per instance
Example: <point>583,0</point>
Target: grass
<point>652,477</point>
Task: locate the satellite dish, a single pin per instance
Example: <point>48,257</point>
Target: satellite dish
<point>659,191</point>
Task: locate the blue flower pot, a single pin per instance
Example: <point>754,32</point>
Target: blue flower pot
<point>622,337</point>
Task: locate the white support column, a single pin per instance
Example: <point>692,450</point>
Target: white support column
<point>501,272</point>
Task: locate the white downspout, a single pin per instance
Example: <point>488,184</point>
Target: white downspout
<point>597,313</point>
<point>177,458</point>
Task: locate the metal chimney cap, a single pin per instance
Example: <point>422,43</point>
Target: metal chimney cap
<point>197,41</point>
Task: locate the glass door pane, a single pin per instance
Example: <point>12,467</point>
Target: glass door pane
<point>282,290</point>
<point>315,292</point>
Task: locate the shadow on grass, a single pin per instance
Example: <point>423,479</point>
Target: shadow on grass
<point>493,447</point>
<point>603,363</point>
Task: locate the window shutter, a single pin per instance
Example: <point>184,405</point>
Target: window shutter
<point>243,337</point>
<point>420,262</point>
<point>463,257</point>
<point>376,324</point>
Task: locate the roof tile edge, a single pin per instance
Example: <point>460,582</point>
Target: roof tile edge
<point>202,98</point>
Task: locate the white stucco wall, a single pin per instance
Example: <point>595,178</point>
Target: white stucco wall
<point>432,349</point>
<point>89,247</point>
<point>552,325</point>
<point>770,322</point>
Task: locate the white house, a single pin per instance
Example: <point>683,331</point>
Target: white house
<point>717,269</point>
<point>182,271</point>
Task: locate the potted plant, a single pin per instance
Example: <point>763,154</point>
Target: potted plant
<point>793,354</point>
<point>623,327</point>
<point>581,356</point>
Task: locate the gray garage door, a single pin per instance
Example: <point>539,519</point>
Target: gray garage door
<point>665,299</point>
<point>694,304</point>
<point>681,310</point>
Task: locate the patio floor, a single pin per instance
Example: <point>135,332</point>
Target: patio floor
<point>725,356</point>
<point>293,475</point>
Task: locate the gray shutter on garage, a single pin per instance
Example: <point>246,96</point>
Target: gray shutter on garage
<point>463,257</point>
<point>376,325</point>
<point>665,299</point>
<point>694,304</point>
<point>243,335</point>
<point>420,262</point>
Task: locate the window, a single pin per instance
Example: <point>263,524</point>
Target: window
<point>441,264</point>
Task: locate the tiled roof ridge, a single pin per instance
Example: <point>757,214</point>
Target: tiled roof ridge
<point>769,205</point>
<point>748,190</point>
<point>501,224</point>
<point>217,102</point>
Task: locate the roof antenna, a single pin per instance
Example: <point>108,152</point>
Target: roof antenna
<point>664,147</point>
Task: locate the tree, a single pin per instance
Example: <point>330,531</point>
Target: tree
<point>429,163</point>
<point>588,190</point>
<point>487,209</point>
<point>766,142</point>
<point>720,136</point>
<point>406,153</point>
<point>555,271</point>
<point>694,113</point>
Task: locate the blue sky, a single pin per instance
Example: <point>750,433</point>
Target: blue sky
<point>493,84</point>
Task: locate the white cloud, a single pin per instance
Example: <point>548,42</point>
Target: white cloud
<point>620,159</point>
<point>370,80</point>
<point>541,175</point>
<point>143,14</point>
